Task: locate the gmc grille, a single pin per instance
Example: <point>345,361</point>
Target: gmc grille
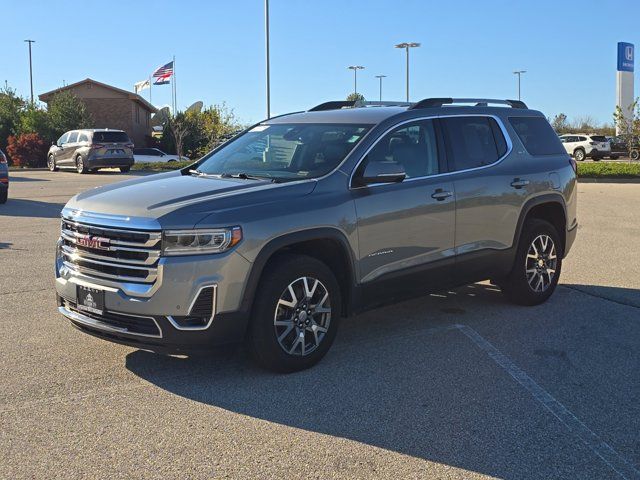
<point>110,253</point>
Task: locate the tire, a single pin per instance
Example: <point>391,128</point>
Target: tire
<point>613,157</point>
<point>124,169</point>
<point>634,155</point>
<point>4,194</point>
<point>596,159</point>
<point>80,166</point>
<point>51,164</point>
<point>522,285</point>
<point>579,154</point>
<point>273,339</point>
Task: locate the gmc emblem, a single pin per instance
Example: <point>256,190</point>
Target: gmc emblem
<point>88,241</point>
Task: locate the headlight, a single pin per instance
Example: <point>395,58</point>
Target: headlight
<point>193,242</point>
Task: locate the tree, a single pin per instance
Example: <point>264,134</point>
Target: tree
<point>560,124</point>
<point>10,107</point>
<point>628,124</point>
<point>34,119</point>
<point>355,97</point>
<point>67,112</point>
<point>179,127</point>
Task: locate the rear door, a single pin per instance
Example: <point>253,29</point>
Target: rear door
<point>408,227</point>
<point>67,157</point>
<point>488,200</point>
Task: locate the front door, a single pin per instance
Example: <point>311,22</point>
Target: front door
<point>406,229</point>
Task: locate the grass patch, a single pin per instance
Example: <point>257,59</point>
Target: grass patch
<point>160,166</point>
<point>608,170</point>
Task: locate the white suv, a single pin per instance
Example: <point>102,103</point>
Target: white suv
<point>582,146</point>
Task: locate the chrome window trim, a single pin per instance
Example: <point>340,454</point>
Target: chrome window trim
<point>195,297</point>
<point>94,323</point>
<point>498,120</point>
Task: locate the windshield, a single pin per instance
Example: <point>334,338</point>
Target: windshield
<point>285,152</point>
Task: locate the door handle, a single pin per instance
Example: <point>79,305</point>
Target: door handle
<point>519,183</point>
<point>441,194</point>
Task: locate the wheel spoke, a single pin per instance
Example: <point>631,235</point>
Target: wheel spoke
<point>309,292</point>
<point>286,332</point>
<point>294,298</point>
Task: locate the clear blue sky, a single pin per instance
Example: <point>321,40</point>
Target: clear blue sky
<point>469,48</point>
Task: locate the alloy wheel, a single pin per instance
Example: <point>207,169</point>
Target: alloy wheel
<point>541,263</point>
<point>302,316</point>
<point>80,164</point>
<point>51,163</point>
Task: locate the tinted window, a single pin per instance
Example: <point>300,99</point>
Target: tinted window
<point>537,136</point>
<point>470,141</point>
<point>599,138</point>
<point>412,145</point>
<point>110,137</point>
<point>582,139</point>
<point>73,137</point>
<point>498,136</point>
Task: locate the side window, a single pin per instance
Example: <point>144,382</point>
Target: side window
<point>73,137</point>
<point>582,139</point>
<point>83,137</point>
<point>537,136</point>
<point>471,142</point>
<point>63,139</point>
<point>411,145</point>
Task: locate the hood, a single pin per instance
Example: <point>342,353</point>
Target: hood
<point>179,200</point>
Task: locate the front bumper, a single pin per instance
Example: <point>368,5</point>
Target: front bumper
<point>141,315</point>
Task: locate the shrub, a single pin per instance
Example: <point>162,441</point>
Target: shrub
<point>27,150</point>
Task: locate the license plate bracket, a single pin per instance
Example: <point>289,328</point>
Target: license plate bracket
<point>90,299</point>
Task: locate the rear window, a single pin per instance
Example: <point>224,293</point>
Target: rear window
<point>537,136</point>
<point>111,137</point>
<point>599,138</point>
<point>473,141</point>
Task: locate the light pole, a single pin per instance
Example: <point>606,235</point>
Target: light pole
<point>380,77</point>
<point>519,74</point>
<point>30,68</point>
<point>355,69</point>
<point>266,30</point>
<point>407,46</point>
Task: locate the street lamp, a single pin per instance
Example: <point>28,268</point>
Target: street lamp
<point>355,69</point>
<point>380,77</point>
<point>30,68</point>
<point>407,46</point>
<point>519,74</point>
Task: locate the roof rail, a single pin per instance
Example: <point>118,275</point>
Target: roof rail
<point>479,102</point>
<point>333,105</point>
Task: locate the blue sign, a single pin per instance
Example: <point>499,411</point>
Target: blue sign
<point>625,57</point>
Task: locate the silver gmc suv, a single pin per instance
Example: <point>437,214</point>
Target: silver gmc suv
<point>312,216</point>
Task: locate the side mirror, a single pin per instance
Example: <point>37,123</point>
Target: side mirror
<point>382,172</point>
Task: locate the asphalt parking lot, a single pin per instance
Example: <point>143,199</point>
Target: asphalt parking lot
<point>459,384</point>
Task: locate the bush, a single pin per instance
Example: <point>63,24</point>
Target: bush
<point>608,170</point>
<point>27,150</point>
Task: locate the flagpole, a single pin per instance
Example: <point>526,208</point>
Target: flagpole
<point>150,90</point>
<point>175,100</point>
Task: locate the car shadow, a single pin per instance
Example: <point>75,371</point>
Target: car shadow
<point>399,379</point>
<point>19,207</point>
<point>16,178</point>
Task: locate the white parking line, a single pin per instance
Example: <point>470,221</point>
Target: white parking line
<point>601,448</point>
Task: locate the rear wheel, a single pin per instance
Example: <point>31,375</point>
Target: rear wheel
<point>80,166</point>
<point>537,266</point>
<point>613,157</point>
<point>4,194</point>
<point>51,164</point>
<point>579,155</point>
<point>295,314</point>
<point>125,169</point>
<point>635,154</point>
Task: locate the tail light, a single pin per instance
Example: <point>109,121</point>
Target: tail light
<point>3,158</point>
<point>129,145</point>
<point>593,143</point>
<point>96,146</point>
<point>574,164</point>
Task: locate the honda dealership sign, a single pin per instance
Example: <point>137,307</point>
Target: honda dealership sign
<point>624,78</point>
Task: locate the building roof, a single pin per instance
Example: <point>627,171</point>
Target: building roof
<point>45,97</point>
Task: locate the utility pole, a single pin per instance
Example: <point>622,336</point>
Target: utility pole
<point>519,74</point>
<point>266,30</point>
<point>407,46</point>
<point>380,77</point>
<point>30,68</point>
<point>355,69</point>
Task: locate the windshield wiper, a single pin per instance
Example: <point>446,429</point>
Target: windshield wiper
<point>247,176</point>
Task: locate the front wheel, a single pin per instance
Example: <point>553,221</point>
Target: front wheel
<point>635,154</point>
<point>295,315</point>
<point>579,155</point>
<point>125,169</point>
<point>51,164</point>
<point>537,266</point>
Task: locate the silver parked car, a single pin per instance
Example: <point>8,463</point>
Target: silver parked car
<point>91,149</point>
<point>308,217</point>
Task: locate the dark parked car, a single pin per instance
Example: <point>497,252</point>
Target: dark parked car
<point>620,147</point>
<point>92,149</point>
<point>4,178</point>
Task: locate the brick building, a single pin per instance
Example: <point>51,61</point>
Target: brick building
<point>112,107</point>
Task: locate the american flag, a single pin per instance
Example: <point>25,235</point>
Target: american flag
<point>163,74</point>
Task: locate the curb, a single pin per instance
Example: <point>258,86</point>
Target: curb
<point>608,180</point>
